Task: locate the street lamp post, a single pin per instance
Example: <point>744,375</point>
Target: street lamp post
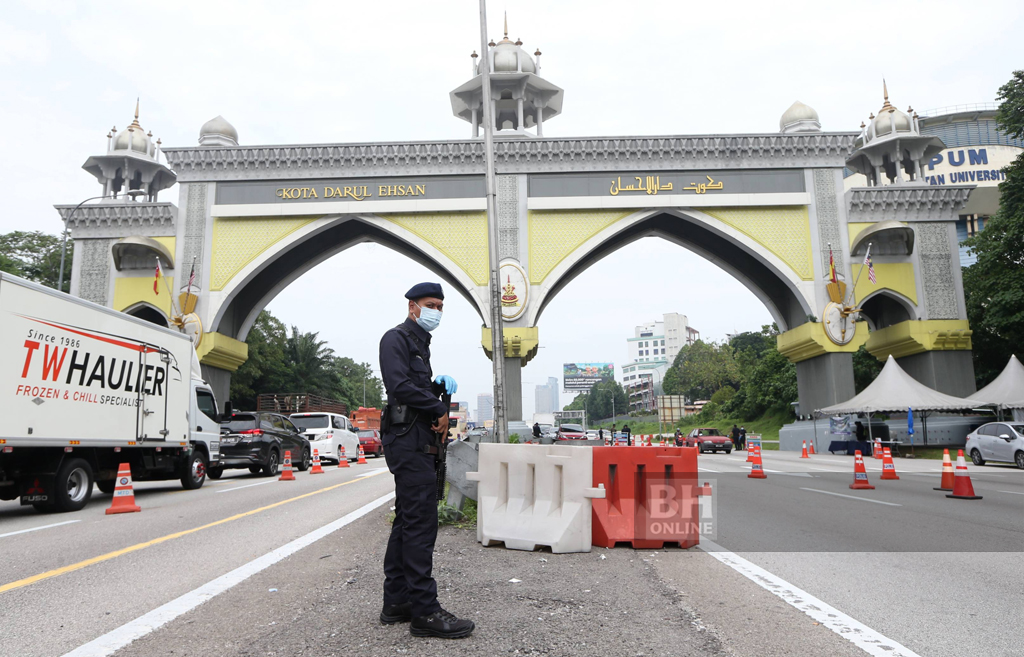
<point>64,242</point>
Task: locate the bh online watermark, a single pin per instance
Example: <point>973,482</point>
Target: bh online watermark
<point>675,508</point>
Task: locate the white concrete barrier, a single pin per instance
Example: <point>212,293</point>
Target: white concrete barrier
<point>530,495</point>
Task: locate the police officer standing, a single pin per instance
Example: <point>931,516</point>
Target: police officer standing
<point>413,416</point>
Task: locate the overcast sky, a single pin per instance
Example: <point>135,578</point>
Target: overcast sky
<point>298,72</point>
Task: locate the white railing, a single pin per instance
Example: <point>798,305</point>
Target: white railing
<point>956,109</point>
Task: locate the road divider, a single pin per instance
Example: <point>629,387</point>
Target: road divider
<point>530,495</point>
<point>651,497</point>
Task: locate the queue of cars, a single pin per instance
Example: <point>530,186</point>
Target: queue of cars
<point>258,441</point>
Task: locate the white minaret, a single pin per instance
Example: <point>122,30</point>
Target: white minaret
<point>520,98</point>
<point>132,162</point>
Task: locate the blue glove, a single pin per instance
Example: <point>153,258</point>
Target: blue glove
<point>449,383</point>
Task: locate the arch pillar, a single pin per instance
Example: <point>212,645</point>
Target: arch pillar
<point>824,370</point>
<point>521,344</point>
<point>936,352</point>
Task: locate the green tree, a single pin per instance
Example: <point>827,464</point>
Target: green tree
<point>266,369</point>
<point>36,256</point>
<point>700,369</point>
<point>772,384</point>
<point>280,361</point>
<point>865,368</point>
<point>598,403</point>
<point>994,285</point>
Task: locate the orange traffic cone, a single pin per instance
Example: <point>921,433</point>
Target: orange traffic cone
<point>947,472</point>
<point>962,487</point>
<point>810,448</point>
<point>888,467</point>
<point>804,455</point>
<point>124,495</point>
<point>876,449</point>
<point>362,457</point>
<point>756,468</point>
<point>286,468</point>
<point>342,456</point>
<point>316,469</point>
<point>860,473</point>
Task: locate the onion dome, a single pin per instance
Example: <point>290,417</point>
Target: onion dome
<point>799,118</point>
<point>218,132</point>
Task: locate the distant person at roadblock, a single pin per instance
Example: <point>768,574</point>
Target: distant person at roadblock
<point>413,416</point>
<point>679,437</point>
<point>743,438</point>
<point>629,435</point>
<point>735,435</point>
<point>536,431</point>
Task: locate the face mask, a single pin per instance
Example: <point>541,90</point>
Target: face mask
<point>429,318</point>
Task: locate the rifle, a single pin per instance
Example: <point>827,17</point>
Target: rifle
<point>441,458</point>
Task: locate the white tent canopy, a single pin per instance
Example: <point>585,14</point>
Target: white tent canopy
<point>893,391</point>
<point>1007,390</point>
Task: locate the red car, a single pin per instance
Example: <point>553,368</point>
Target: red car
<point>571,432</point>
<point>369,440</point>
<point>708,439</point>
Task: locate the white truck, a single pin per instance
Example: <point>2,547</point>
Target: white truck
<point>83,389</point>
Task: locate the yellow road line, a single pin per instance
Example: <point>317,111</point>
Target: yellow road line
<point>156,541</point>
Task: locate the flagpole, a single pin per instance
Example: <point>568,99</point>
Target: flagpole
<point>867,254</point>
<point>167,285</point>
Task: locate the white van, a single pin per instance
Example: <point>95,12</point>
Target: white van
<point>331,434</point>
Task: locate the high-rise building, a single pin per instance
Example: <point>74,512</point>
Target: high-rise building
<point>652,349</point>
<point>484,408</point>
<point>546,397</point>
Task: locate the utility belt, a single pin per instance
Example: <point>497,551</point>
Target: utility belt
<point>399,418</point>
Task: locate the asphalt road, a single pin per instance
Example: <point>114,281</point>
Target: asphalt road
<point>248,566</point>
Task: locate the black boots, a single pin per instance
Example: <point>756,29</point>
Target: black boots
<point>392,614</point>
<point>442,624</point>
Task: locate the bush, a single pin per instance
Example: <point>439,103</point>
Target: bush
<point>513,439</point>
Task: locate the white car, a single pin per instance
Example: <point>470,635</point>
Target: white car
<point>331,434</point>
<point>997,441</point>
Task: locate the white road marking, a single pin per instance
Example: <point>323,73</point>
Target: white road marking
<point>857,633</point>
<point>35,529</point>
<point>1011,492</point>
<point>851,497</point>
<point>824,470</point>
<point>122,636</point>
<point>259,483</point>
<point>706,469</point>
<point>370,473</point>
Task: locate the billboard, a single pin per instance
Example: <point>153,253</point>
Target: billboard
<point>581,377</point>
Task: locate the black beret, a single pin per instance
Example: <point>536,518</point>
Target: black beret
<point>425,290</point>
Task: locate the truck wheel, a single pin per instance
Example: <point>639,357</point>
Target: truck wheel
<point>195,472</point>
<point>73,486</point>
<point>106,486</point>
<point>214,473</point>
<point>304,462</point>
<point>273,461</point>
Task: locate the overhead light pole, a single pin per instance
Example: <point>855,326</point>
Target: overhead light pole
<point>64,241</point>
<point>497,342</point>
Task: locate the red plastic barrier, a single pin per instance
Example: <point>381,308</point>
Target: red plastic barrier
<point>650,497</point>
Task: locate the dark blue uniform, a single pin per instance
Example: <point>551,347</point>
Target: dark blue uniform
<point>408,379</point>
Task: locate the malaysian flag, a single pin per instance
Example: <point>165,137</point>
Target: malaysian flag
<point>192,276</point>
<point>871,268</point>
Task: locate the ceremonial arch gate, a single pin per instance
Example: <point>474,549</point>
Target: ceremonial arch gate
<point>765,208</point>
